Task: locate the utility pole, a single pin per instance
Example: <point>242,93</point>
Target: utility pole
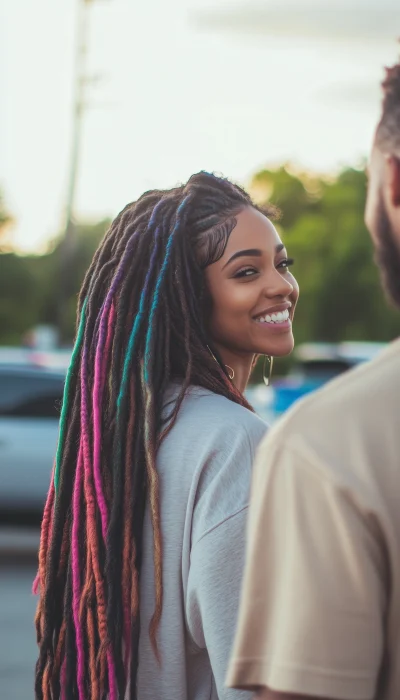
<point>68,243</point>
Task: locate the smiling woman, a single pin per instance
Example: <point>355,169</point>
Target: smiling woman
<point>253,295</point>
<point>142,542</point>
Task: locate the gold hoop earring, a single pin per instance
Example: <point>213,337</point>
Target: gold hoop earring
<point>231,371</point>
<point>267,377</point>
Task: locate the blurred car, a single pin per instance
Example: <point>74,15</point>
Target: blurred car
<point>30,404</point>
<point>316,364</point>
<point>56,359</point>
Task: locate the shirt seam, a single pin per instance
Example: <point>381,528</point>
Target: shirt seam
<point>221,522</point>
<point>246,506</point>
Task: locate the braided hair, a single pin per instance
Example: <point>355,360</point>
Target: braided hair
<point>141,325</point>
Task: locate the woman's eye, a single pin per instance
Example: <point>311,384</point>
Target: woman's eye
<point>285,264</point>
<point>246,272</point>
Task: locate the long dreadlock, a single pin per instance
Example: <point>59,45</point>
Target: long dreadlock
<point>140,325</point>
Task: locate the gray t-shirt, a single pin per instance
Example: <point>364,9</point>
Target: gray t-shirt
<point>204,467</point>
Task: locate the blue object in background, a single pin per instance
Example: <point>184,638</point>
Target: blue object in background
<point>315,365</point>
<point>285,396</point>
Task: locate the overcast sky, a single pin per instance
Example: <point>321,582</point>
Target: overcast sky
<point>229,88</point>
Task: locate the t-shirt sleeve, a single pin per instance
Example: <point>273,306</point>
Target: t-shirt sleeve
<point>213,593</point>
<point>313,602</point>
<point>218,549</point>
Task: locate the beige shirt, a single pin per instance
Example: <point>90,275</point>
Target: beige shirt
<point>320,609</point>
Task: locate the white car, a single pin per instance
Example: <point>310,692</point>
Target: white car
<point>30,404</point>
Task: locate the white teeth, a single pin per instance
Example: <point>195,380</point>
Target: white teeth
<point>278,317</point>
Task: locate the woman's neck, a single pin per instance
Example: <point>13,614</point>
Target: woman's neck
<point>241,364</point>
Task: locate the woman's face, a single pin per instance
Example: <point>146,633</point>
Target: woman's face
<point>253,293</point>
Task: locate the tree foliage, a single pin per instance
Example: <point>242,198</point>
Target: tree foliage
<point>30,289</point>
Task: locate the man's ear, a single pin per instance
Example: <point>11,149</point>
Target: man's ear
<point>393,180</point>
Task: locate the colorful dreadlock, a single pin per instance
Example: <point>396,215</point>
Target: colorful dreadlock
<point>144,290</point>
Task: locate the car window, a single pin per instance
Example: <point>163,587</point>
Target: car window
<point>30,396</point>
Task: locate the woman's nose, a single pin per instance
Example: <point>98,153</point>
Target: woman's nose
<point>278,285</point>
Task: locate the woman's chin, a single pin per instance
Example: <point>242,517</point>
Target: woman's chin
<point>279,349</point>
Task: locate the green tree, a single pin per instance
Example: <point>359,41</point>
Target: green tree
<point>29,285</point>
<point>19,299</point>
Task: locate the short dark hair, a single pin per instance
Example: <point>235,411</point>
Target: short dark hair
<point>388,131</point>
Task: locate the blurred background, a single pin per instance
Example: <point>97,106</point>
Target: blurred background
<point>103,99</point>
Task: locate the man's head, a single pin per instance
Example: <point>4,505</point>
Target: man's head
<point>382,213</point>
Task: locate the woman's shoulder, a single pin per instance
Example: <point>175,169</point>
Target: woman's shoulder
<point>218,414</point>
<point>228,436</point>
<point>210,452</point>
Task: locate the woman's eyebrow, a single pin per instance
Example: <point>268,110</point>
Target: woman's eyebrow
<point>251,252</point>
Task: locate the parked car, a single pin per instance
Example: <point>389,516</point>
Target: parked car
<point>55,359</point>
<point>316,364</point>
<point>30,403</point>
